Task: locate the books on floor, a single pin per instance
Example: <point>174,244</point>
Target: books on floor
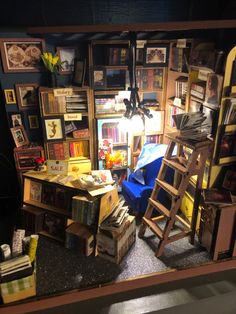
<point>15,268</point>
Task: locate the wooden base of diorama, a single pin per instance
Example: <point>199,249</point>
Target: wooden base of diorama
<point>152,280</point>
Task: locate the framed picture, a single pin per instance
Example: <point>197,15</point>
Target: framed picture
<point>79,72</point>
<point>33,121</point>
<point>99,78</point>
<point>10,96</point>
<point>213,89</point>
<point>67,56</point>
<point>229,182</point>
<point>54,128</point>
<point>21,54</point>
<point>27,96</point>
<point>19,136</point>
<point>156,55</point>
<point>15,119</point>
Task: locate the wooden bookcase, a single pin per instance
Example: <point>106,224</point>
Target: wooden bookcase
<point>53,196</point>
<point>67,123</point>
<point>109,78</point>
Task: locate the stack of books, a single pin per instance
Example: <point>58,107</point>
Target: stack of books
<point>190,126</point>
<point>15,268</point>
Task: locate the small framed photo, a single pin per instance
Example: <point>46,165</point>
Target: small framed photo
<point>229,182</point>
<point>54,128</point>
<point>67,56</point>
<point>156,55</point>
<point>115,79</point>
<point>15,119</point>
<point>27,96</point>
<point>10,96</point>
<point>19,136</point>
<point>99,78</point>
<point>21,54</point>
<point>33,121</point>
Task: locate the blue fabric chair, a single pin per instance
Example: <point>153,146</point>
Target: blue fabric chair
<point>138,188</point>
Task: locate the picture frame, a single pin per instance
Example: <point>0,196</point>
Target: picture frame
<point>21,54</point>
<point>19,136</point>
<point>33,121</point>
<point>15,119</point>
<point>54,128</point>
<point>27,96</point>
<point>156,55</point>
<point>99,78</point>
<point>115,79</point>
<point>10,96</point>
<point>67,56</point>
<point>213,89</point>
<point>229,181</point>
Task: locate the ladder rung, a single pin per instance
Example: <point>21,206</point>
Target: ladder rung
<point>183,222</point>
<point>154,227</point>
<point>161,208</point>
<point>175,165</point>
<point>168,188</point>
<point>178,236</point>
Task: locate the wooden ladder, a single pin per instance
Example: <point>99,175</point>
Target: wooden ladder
<point>183,169</point>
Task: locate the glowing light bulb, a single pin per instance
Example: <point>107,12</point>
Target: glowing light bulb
<point>137,124</point>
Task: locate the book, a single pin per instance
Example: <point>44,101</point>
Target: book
<point>215,196</point>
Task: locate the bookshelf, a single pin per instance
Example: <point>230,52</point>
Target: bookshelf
<point>59,202</point>
<point>109,78</point>
<point>67,124</point>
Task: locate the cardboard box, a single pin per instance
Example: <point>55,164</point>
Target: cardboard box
<point>114,247</point>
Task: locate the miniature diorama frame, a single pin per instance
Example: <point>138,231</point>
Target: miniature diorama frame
<point>156,55</point>
<point>67,57</point>
<point>54,128</point>
<point>19,136</point>
<point>27,96</point>
<point>10,96</point>
<point>21,54</point>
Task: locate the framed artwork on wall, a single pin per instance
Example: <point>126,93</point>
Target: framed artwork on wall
<point>21,54</point>
<point>67,56</point>
<point>27,96</point>
<point>79,72</point>
<point>156,55</point>
<point>19,136</point>
<point>15,119</point>
<point>33,121</point>
<point>54,128</point>
<point>10,96</point>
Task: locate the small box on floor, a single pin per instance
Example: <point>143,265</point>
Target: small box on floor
<point>113,246</point>
<point>32,218</point>
<point>79,237</point>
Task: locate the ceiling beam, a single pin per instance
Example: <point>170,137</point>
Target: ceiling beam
<point>141,27</point>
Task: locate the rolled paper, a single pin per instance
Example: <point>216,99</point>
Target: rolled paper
<point>33,246</point>
<point>5,252</point>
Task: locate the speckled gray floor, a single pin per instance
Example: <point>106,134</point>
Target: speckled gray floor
<point>60,269</point>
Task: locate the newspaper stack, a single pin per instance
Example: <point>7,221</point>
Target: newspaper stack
<point>191,126</point>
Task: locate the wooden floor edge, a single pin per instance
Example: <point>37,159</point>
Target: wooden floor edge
<point>118,287</point>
